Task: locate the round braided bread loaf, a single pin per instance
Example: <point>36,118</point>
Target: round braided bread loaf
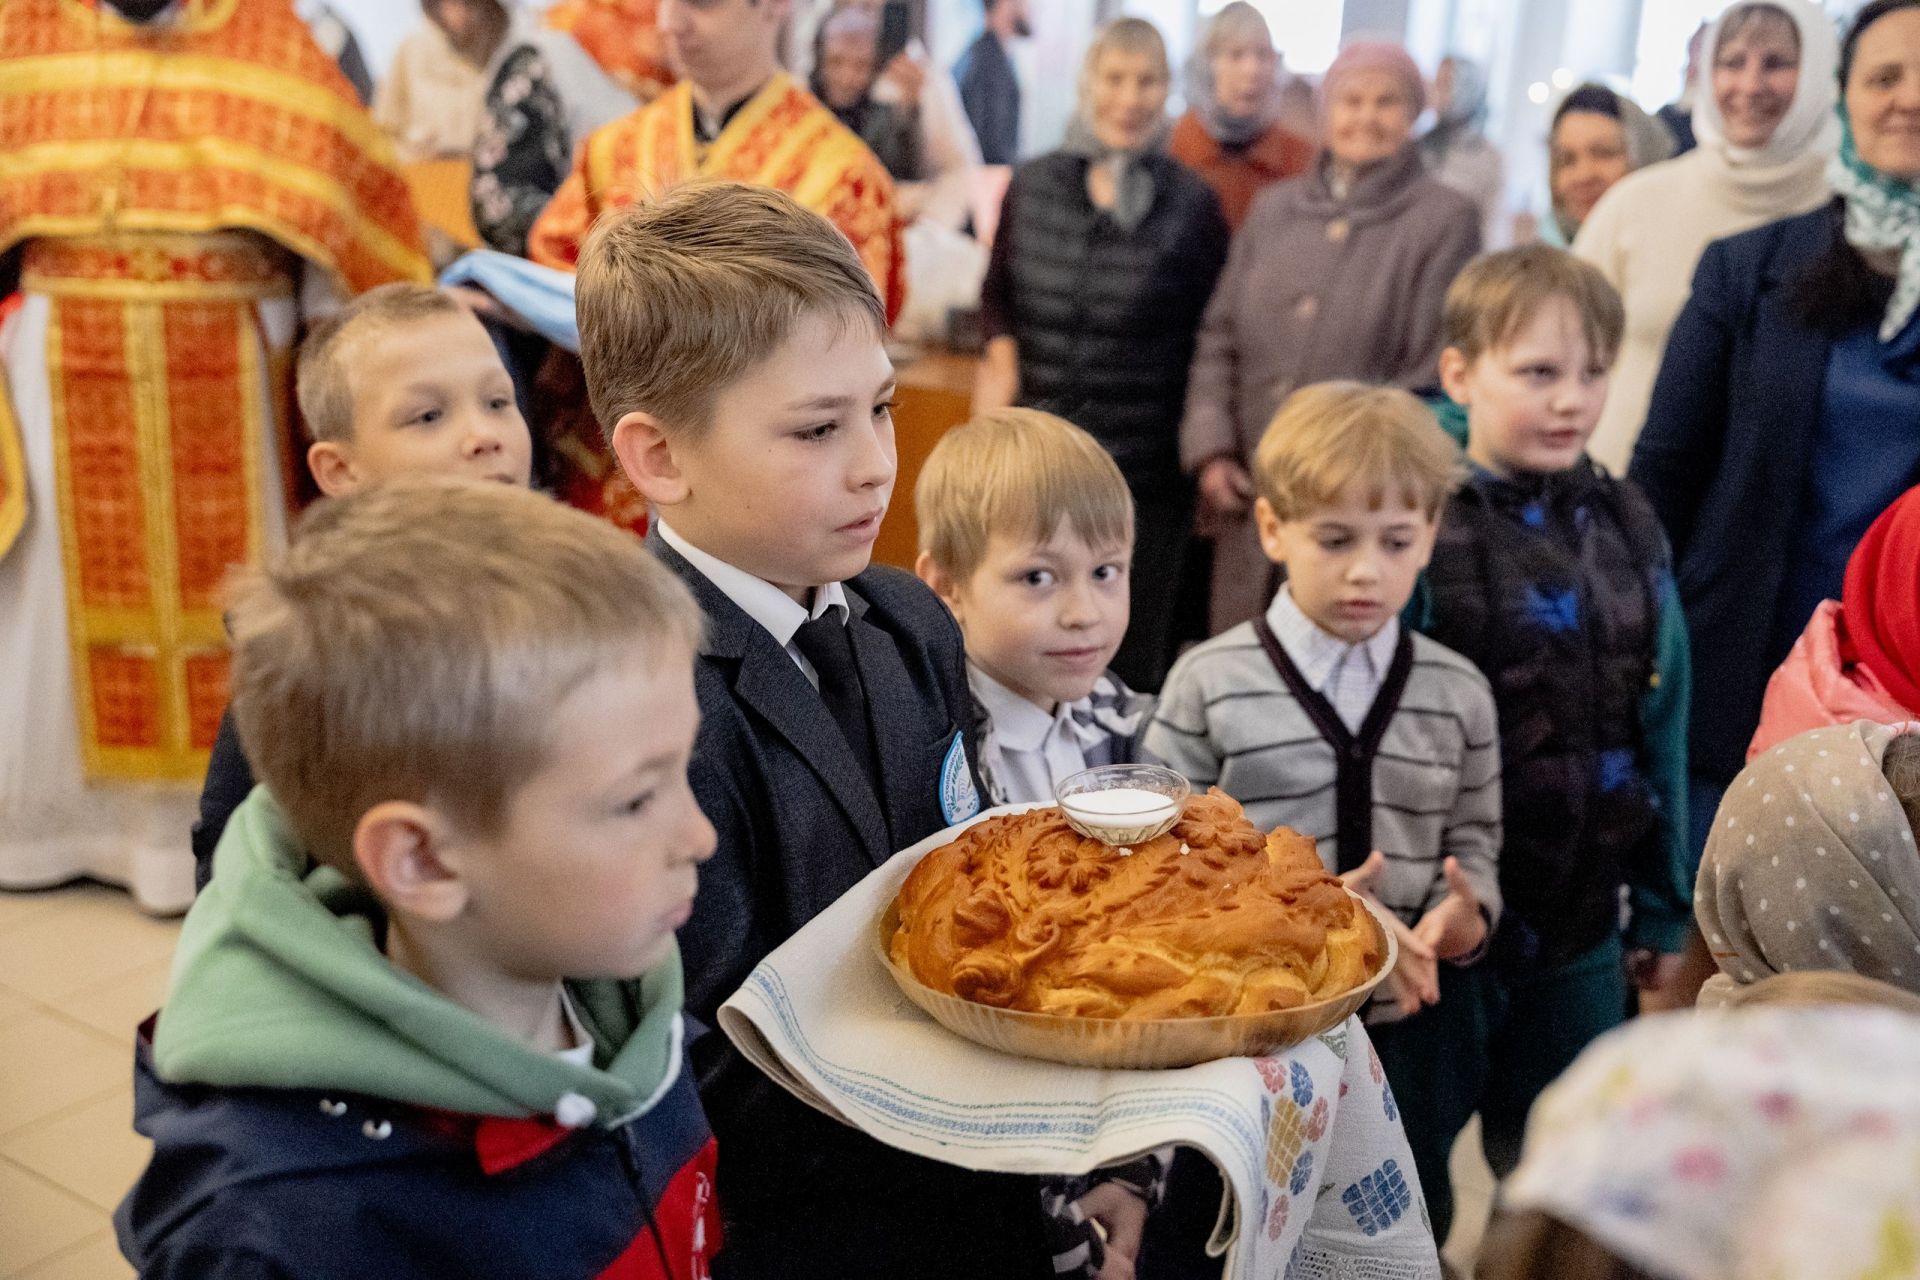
<point>1213,918</point>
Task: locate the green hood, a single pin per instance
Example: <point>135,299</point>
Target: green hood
<point>277,983</point>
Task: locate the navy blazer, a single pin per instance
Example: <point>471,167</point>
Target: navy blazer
<point>1723,458</point>
<point>799,824</point>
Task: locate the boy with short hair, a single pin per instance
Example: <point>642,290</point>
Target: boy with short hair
<point>402,381</point>
<point>454,1048</point>
<point>732,344</point>
<point>1327,716</point>
<point>1026,533</point>
<point>1555,579</point>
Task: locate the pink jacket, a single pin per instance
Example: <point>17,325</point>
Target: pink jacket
<point>1814,688</point>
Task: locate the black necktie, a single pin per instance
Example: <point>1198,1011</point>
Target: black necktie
<point>827,645</point>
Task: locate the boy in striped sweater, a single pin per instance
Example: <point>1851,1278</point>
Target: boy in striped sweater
<point>1327,716</point>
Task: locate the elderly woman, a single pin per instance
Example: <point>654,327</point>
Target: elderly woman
<point>1456,148</point>
<point>1783,421</point>
<point>1231,134</point>
<point>1106,253</point>
<point>1598,137</point>
<point>1339,273</point>
<point>1766,128</point>
<point>1835,888</point>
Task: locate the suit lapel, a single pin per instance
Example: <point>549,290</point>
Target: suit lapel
<point>900,741</point>
<point>770,686</point>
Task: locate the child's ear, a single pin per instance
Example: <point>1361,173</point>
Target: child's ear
<point>397,845</point>
<point>1428,537</point>
<point>641,443</point>
<point>1454,366</point>
<point>1273,536</point>
<point>939,580</point>
<point>332,468</point>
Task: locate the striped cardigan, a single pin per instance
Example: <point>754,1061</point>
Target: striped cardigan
<point>1227,719</point>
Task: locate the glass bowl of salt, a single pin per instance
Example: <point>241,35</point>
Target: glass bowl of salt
<point>1123,804</point>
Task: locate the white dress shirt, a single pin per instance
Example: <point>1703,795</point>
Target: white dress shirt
<point>765,603</point>
<point>1347,675</point>
<point>1033,751</point>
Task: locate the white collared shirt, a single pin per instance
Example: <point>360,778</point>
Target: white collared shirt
<point>760,600</point>
<point>1034,751</point>
<point>1347,675</point>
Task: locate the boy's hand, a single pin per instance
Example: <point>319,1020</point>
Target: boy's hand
<point>1122,1216</point>
<point>1653,970</point>
<point>1415,980</point>
<point>1457,926</point>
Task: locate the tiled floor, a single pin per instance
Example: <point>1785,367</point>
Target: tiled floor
<point>79,968</point>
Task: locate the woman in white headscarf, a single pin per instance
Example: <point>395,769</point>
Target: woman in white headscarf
<point>1766,127</point>
<point>1456,148</point>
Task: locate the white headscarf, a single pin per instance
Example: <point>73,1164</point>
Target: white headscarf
<point>1795,157</point>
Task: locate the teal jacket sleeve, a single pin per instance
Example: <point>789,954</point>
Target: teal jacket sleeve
<point>1660,889</point>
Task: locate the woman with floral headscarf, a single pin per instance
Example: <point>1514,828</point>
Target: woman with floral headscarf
<point>1767,1143</point>
<point>1456,148</point>
<point>1231,135</point>
<point>1784,419</point>
<point>1766,130</point>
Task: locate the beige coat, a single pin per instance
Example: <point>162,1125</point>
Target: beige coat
<point>1317,288</point>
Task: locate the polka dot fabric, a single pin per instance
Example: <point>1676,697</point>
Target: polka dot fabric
<point>1768,1143</point>
<point>1812,865</point>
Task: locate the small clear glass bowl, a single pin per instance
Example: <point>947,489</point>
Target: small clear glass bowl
<point>1123,804</point>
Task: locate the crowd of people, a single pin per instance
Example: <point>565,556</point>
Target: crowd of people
<point>1564,594</point>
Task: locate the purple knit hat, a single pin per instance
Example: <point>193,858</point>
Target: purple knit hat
<point>1379,55</point>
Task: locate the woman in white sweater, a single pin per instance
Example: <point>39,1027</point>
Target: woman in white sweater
<point>1767,128</point>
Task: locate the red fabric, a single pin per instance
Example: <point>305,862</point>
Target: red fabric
<point>1881,600</point>
<point>505,1144</point>
<point>1237,176</point>
<point>689,1218</point>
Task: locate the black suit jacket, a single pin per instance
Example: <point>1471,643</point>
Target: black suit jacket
<point>799,824</point>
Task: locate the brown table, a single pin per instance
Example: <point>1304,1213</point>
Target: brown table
<point>936,394</point>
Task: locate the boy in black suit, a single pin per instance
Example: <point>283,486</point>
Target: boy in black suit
<point>732,343</point>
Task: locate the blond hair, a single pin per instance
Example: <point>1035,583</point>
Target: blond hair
<point>679,297</point>
<point>413,641</point>
<point>1498,294</point>
<point>1333,436</point>
<point>322,378</point>
<point>1021,473</point>
<point>1125,35</point>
